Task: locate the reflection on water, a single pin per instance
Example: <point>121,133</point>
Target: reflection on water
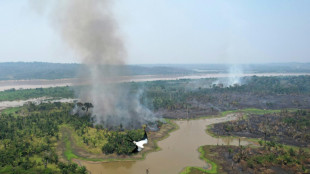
<point>178,151</point>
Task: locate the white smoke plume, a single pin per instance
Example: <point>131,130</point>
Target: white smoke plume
<point>234,77</point>
<point>89,28</point>
<point>235,74</point>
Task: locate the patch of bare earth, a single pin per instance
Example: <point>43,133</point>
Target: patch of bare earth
<point>60,149</point>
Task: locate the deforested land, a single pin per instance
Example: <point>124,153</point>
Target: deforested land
<point>43,137</point>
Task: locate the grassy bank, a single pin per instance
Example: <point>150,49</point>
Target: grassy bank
<point>70,149</point>
<point>68,152</point>
<point>206,156</point>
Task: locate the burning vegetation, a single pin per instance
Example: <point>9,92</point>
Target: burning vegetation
<point>89,28</point>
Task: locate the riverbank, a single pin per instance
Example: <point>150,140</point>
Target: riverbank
<point>177,151</point>
<point>265,157</point>
<point>43,83</point>
<point>79,152</point>
<point>180,146</point>
<point>272,158</point>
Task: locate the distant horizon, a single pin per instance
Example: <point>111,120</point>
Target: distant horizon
<point>169,32</point>
<point>168,63</point>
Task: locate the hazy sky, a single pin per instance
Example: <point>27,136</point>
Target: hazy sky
<point>174,31</point>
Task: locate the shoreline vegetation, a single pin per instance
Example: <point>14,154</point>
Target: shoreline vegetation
<point>68,142</point>
<point>264,156</point>
<point>25,94</point>
<point>229,159</point>
<point>162,134</point>
<point>207,152</point>
<point>51,133</point>
<point>44,137</point>
<point>168,128</point>
<point>77,152</point>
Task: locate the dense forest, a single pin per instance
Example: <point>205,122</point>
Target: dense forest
<point>24,94</point>
<point>29,137</point>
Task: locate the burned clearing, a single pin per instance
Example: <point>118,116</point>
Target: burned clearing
<point>202,97</point>
<point>283,138</point>
<point>286,127</point>
<point>196,98</point>
<point>70,135</point>
<point>272,158</point>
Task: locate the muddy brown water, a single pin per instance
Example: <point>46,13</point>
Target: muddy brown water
<point>178,151</point>
<point>41,83</point>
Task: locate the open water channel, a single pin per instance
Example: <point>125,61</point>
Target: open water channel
<point>178,151</point>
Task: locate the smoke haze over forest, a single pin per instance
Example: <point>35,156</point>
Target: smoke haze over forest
<point>106,34</point>
<point>90,30</point>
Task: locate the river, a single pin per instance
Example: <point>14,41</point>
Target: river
<point>178,151</point>
<point>40,83</point>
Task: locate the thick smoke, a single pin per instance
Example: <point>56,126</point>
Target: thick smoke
<point>89,28</point>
